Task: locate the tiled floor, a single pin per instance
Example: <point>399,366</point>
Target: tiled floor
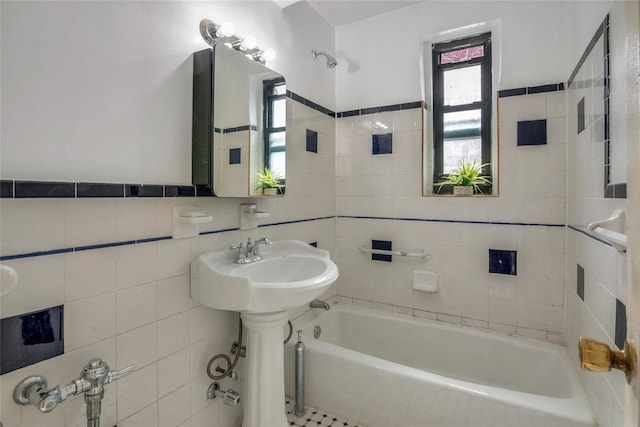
<point>317,417</point>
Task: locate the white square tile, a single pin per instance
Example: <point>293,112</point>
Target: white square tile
<point>137,347</point>
<point>31,225</point>
<point>173,334</point>
<point>137,391</point>
<point>174,257</point>
<point>136,218</point>
<point>531,107</point>
<point>136,306</point>
<point>532,289</point>
<point>89,320</point>
<point>531,316</point>
<point>90,221</point>
<point>173,372</point>
<point>136,264</point>
<point>89,273</point>
<point>174,296</point>
<point>502,311</point>
<point>144,418</point>
<point>204,417</point>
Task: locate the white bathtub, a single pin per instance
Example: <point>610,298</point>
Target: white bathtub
<point>388,370</point>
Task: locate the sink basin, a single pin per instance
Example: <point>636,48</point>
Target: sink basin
<point>291,274</point>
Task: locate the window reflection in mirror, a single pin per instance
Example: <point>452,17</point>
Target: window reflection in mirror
<point>239,123</point>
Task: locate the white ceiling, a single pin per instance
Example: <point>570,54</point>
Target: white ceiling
<point>341,12</point>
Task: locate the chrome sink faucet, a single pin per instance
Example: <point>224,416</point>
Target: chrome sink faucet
<point>250,252</point>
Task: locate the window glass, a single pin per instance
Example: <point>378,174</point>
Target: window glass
<point>462,140</point>
<point>277,153</point>
<point>461,55</point>
<point>462,85</point>
<point>279,113</point>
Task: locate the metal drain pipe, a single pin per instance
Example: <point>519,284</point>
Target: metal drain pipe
<point>299,349</point>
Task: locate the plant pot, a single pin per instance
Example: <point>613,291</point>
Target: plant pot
<point>463,190</point>
<point>270,191</point>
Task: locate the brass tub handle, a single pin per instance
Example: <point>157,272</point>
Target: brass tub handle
<point>597,356</point>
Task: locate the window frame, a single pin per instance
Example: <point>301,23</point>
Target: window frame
<point>485,105</point>
<point>269,98</point>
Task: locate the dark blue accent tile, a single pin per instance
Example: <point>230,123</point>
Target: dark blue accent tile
<point>386,108</point>
<point>384,245</point>
<point>312,141</point>
<point>6,189</point>
<point>533,132</point>
<point>179,191</point>
<point>411,105</point>
<point>314,244</point>
<point>621,323</point>
<point>45,189</point>
<point>86,189</point>
<point>140,190</point>
<point>581,115</point>
<point>503,262</point>
<point>217,130</point>
<point>371,110</point>
<point>382,144</point>
<point>350,113</point>
<point>297,98</point>
<point>30,338</point>
<point>561,86</point>
<point>542,88</point>
<point>235,156</point>
<point>580,282</point>
<point>512,92</point>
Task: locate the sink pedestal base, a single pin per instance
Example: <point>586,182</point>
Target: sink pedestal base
<point>264,383</point>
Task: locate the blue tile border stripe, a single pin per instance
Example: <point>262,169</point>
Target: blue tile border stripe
<point>274,224</point>
<point>139,241</point>
<point>454,221</point>
<point>82,248</point>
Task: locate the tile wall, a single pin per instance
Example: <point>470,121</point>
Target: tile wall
<point>130,303</point>
<point>379,198</point>
<point>595,271</point>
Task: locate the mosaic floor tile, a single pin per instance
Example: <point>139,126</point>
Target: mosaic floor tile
<point>314,417</point>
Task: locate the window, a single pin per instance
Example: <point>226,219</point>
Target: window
<point>275,94</point>
<point>462,107</point>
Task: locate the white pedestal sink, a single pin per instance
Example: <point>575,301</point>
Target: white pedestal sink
<point>291,274</point>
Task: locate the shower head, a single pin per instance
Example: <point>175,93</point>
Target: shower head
<point>331,61</point>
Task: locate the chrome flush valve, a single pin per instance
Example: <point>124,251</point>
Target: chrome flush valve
<point>33,390</point>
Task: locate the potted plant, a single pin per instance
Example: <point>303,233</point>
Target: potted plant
<point>467,179</point>
<point>268,182</point>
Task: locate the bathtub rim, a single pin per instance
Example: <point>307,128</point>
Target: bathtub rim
<point>575,407</point>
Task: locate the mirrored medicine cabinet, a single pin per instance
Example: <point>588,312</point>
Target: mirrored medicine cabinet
<point>239,125</point>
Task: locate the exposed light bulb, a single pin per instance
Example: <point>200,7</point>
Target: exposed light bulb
<point>249,43</point>
<point>226,29</point>
<point>268,54</point>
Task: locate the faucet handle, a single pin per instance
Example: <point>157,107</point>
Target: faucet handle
<point>114,375</point>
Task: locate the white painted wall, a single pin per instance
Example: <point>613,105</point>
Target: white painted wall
<point>380,57</point>
<point>101,91</point>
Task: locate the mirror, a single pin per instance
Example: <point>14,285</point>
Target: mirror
<point>239,125</point>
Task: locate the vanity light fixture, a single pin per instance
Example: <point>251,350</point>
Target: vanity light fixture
<point>223,33</point>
